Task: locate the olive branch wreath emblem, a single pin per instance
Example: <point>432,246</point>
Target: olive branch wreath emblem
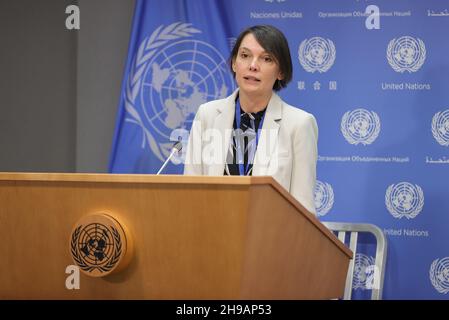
<point>373,136</point>
<point>147,49</point>
<point>323,67</point>
<point>393,210</point>
<point>438,280</point>
<point>325,207</point>
<point>87,267</point>
<point>391,46</point>
<point>438,137</point>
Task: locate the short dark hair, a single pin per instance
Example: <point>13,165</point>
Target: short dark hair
<point>274,42</point>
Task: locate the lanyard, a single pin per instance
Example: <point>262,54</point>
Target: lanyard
<point>239,154</point>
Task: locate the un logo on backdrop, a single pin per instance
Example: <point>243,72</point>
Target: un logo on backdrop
<point>440,127</point>
<point>404,200</point>
<point>324,198</point>
<point>439,275</point>
<point>316,54</point>
<point>406,54</point>
<point>360,126</point>
<point>365,273</point>
<point>171,76</point>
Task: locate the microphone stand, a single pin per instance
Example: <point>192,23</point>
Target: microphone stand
<point>176,148</point>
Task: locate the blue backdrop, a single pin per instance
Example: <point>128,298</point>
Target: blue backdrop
<point>374,73</point>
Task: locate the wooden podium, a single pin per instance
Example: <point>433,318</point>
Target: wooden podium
<point>187,238</point>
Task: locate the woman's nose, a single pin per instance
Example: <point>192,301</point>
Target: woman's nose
<point>253,65</point>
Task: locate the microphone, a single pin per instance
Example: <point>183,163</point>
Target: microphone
<point>176,148</point>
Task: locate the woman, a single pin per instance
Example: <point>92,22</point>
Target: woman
<point>268,136</point>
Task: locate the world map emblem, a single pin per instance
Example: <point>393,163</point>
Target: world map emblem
<point>406,54</point>
<point>440,127</point>
<point>364,272</point>
<point>439,275</point>
<point>172,74</point>
<point>404,200</point>
<point>316,54</point>
<point>360,126</point>
<point>324,198</point>
<point>100,245</point>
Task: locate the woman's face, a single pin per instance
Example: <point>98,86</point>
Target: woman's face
<point>255,69</point>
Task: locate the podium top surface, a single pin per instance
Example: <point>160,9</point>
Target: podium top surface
<point>132,178</point>
<point>173,179</point>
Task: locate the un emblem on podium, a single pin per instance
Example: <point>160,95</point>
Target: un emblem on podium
<point>100,245</point>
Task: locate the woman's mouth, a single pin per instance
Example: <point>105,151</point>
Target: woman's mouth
<point>251,78</point>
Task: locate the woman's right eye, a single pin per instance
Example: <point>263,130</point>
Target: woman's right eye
<point>243,55</point>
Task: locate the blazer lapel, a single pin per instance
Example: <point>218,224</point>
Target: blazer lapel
<point>268,136</point>
<point>220,139</point>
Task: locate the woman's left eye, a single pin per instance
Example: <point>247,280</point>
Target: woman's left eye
<point>268,59</point>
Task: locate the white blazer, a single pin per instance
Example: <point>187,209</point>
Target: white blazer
<point>287,148</point>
